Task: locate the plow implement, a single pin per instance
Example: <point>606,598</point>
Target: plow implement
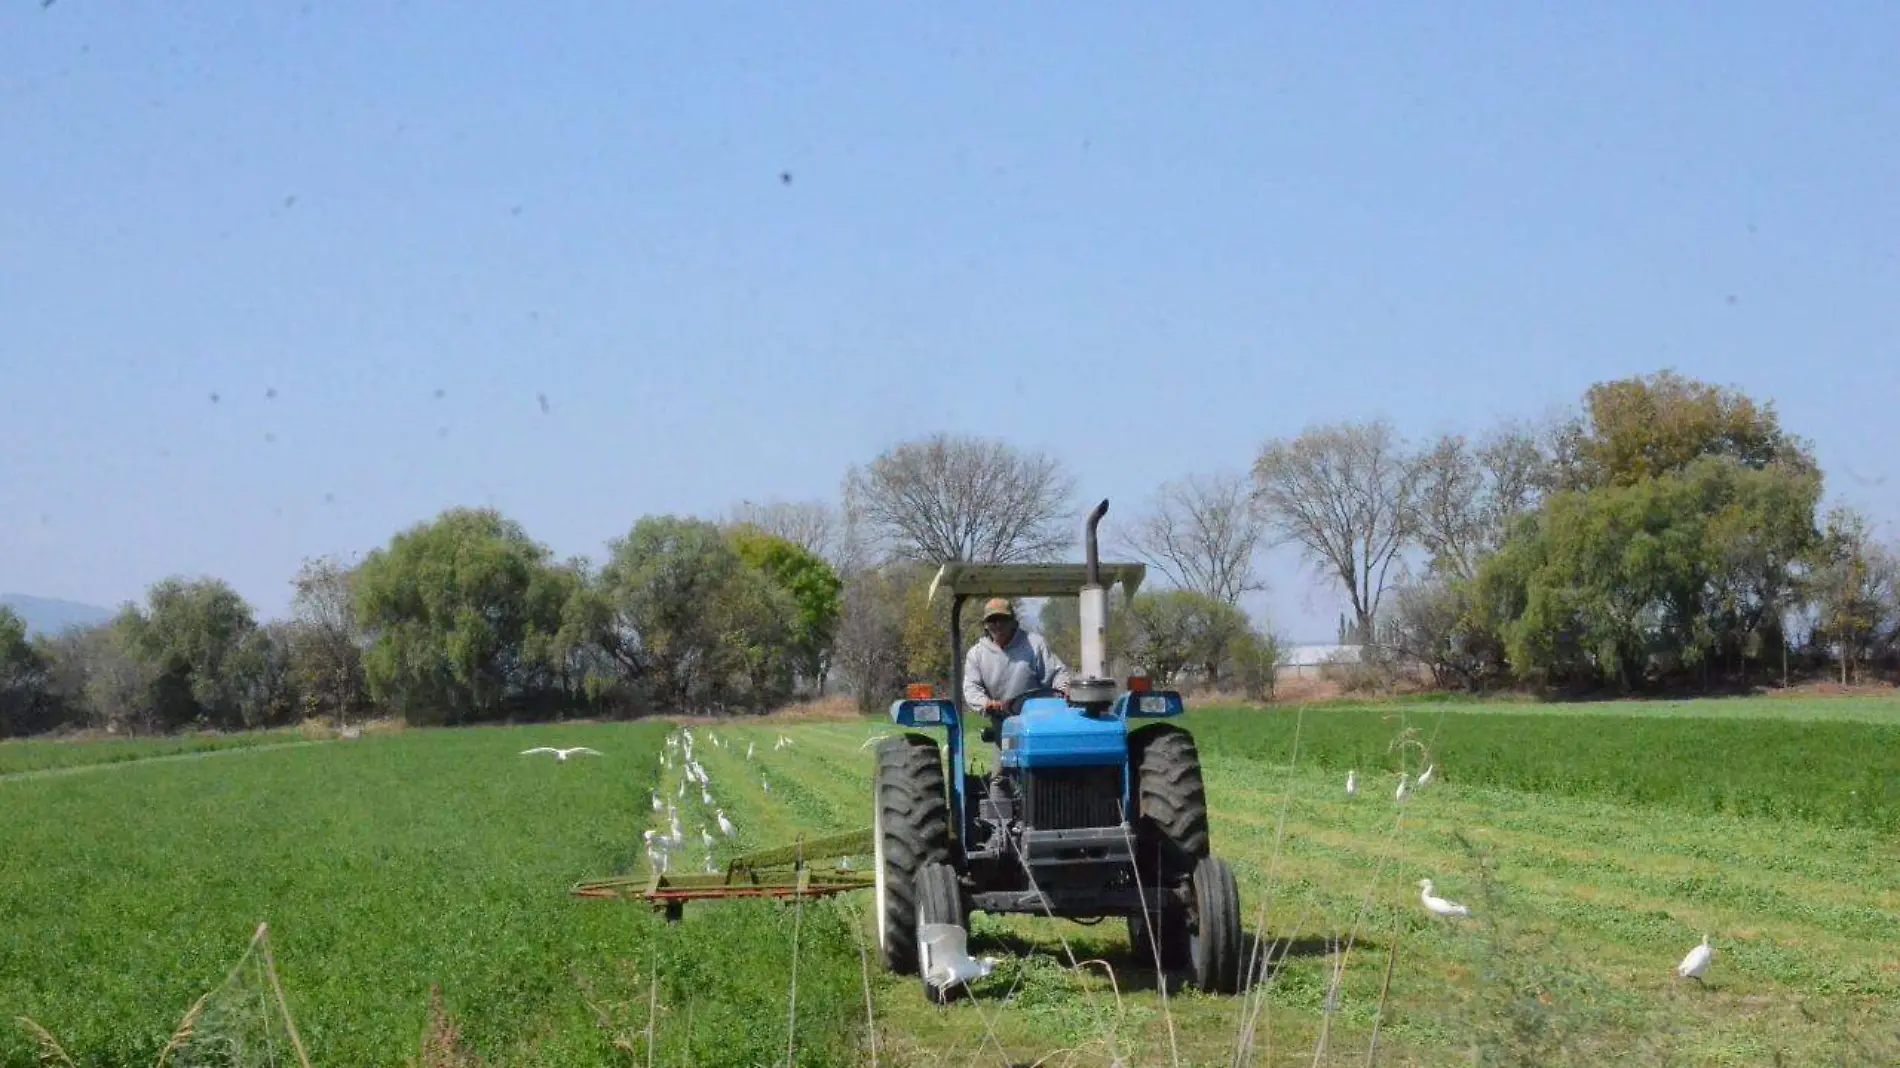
<point>782,873</point>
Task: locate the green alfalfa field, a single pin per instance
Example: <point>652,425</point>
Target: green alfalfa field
<point>1595,845</point>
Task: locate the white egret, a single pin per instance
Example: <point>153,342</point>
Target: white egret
<point>1696,963</point>
<point>712,866</point>
<point>946,956</point>
<point>748,750</point>
<point>725,825</point>
<point>1438,906</point>
<point>1425,776</point>
<point>706,838</point>
<point>657,806</point>
<point>705,797</point>
<point>1352,783</point>
<point>560,754</point>
<point>1402,790</point>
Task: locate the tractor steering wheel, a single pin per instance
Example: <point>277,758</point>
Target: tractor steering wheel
<point>1014,707</point>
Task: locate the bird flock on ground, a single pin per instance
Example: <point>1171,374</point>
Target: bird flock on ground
<point>1694,966</point>
<point>678,753</point>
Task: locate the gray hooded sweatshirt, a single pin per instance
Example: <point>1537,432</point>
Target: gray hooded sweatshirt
<point>992,673</point>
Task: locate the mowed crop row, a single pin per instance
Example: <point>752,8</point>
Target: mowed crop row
<point>1586,896</point>
<point>18,757</point>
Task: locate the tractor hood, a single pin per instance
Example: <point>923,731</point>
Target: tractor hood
<point>1050,733</point>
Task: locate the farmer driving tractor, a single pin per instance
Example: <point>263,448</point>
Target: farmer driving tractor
<point>1008,662</point>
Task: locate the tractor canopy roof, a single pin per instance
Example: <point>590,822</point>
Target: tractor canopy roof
<point>1031,580</point>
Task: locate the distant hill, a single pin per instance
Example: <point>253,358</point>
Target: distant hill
<point>45,615</point>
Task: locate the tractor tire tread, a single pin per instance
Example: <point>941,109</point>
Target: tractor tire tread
<point>1171,798</point>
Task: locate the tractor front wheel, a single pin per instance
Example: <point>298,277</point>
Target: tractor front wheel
<point>910,827</point>
<point>1214,944</point>
<point>939,900</point>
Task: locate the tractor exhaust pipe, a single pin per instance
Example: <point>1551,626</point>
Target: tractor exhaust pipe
<point>1094,558</point>
<point>1094,613</point>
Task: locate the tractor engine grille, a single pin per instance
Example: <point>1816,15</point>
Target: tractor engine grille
<point>1061,799</point>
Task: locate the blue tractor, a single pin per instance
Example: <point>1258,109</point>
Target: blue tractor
<point>1089,811</point>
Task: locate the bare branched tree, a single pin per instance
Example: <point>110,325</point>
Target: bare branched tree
<point>1201,533</point>
<point>1343,494</point>
<point>962,498</point>
<point>811,525</point>
<point>1467,496</point>
<point>326,645</point>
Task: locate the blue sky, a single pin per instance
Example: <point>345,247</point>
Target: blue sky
<point>1143,240</point>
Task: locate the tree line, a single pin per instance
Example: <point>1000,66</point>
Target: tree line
<point>1666,532</point>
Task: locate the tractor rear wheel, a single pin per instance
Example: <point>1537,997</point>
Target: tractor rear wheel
<point>939,900</point>
<point>1214,947</point>
<point>910,820</point>
<point>1170,802</point>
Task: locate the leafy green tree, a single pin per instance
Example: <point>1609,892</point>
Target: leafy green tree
<point>1663,574</point>
<point>1255,663</point>
<point>688,624</point>
<point>263,672</point>
<point>26,704</point>
<point>458,611</point>
<point>1655,425</point>
<point>97,677</point>
<point>190,635</point>
<point>1174,630</point>
<point>811,583</point>
<point>1854,587</point>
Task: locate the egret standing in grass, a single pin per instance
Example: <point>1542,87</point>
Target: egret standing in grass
<point>1352,783</point>
<point>725,825</point>
<point>1403,788</point>
<point>1438,906</point>
<point>1425,776</point>
<point>748,750</point>
<point>657,806</point>
<point>1696,963</point>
